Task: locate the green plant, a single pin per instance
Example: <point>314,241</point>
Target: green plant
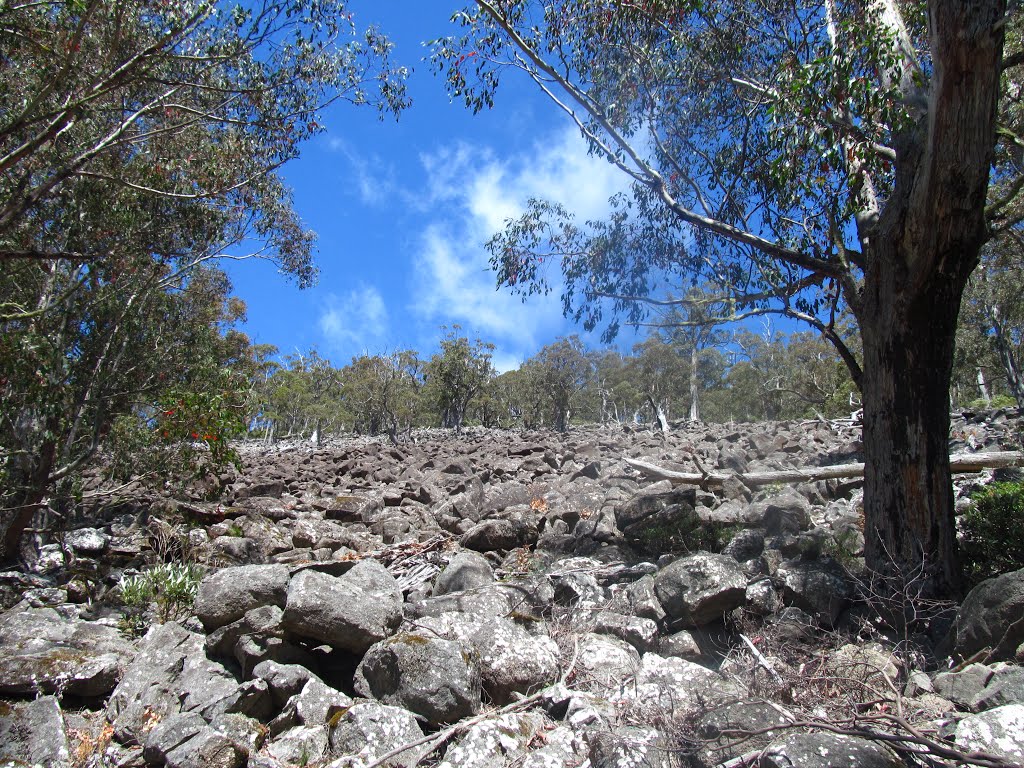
<point>993,532</point>
<point>163,593</point>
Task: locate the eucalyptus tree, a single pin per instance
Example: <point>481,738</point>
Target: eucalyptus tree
<point>809,155</point>
<point>659,371</point>
<point>139,143</point>
<point>457,374</point>
<point>562,369</point>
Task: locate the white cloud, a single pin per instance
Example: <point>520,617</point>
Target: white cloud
<point>354,322</point>
<point>370,177</point>
<point>472,192</point>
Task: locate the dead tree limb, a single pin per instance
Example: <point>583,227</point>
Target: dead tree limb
<point>961,462</point>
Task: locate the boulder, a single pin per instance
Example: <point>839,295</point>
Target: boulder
<point>819,587</point>
<point>511,660</point>
<point>368,730</point>
<point>787,512</point>
<point>495,743</point>
<point>827,750</point>
<point>87,541</point>
<point>350,612</point>
<point>228,594</point>
<point>964,686</point>
<point>991,616</point>
<point>33,733</point>
<point>430,676</point>
<point>603,662</point>
<point>700,588</point>
<point>628,746</point>
<point>42,649</point>
<point>467,570</point>
<point>169,674</point>
<point>679,686</point>
<point>1006,686</point>
<point>999,731</point>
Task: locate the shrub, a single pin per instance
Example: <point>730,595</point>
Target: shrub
<point>993,532</point>
<point>163,593</point>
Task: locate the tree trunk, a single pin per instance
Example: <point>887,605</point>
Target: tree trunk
<point>694,407</point>
<point>908,494</point>
<point>983,387</point>
<point>919,252</point>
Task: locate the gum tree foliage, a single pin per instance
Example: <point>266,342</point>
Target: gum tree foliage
<point>139,142</point>
<point>456,374</point>
<point>562,371</point>
<point>809,156</point>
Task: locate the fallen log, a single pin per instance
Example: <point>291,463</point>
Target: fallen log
<point>960,462</point>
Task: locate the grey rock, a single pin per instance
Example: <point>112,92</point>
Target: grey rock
<point>34,734</point>
<point>228,594</point>
<point>642,634</point>
<point>723,731</point>
<point>604,662</point>
<point>350,612</point>
<point>679,686</point>
<point>41,649</point>
<point>87,541</point>
<point>169,674</point>
<point>999,731</point>
<point>787,512</point>
<point>681,644</point>
<point>494,743</point>
<point>827,750</point>
<point>964,686</point>
<point>745,545</point>
<point>1006,686</point>
<point>264,620</point>
<point>762,599</point>
<point>649,504</point>
<point>301,745</point>
<point>628,746</point>
<point>237,550</point>
<point>561,749</point>
<point>368,730</point>
<point>511,660</point>
<point>433,677</point>
<point>643,601</point>
<point>246,733</point>
<point>818,586</point>
<point>207,749</point>
<point>700,588</point>
<point>467,570</point>
<point>284,680</point>
<point>170,733</point>
<point>991,616</point>
<point>492,535</point>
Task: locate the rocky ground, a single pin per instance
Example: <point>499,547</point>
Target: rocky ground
<point>506,599</point>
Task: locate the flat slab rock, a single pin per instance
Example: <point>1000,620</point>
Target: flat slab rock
<point>42,649</point>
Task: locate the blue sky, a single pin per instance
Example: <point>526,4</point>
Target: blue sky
<point>402,210</point>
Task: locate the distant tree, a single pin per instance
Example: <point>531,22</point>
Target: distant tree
<point>809,156</point>
<point>615,387</point>
<point>383,392</point>
<point>457,374</point>
<point>563,371</point>
<point>991,332</point>
<point>660,372</point>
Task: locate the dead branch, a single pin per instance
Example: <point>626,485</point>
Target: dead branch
<point>961,462</point>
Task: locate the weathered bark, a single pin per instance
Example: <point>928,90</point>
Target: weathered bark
<point>920,253</point>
